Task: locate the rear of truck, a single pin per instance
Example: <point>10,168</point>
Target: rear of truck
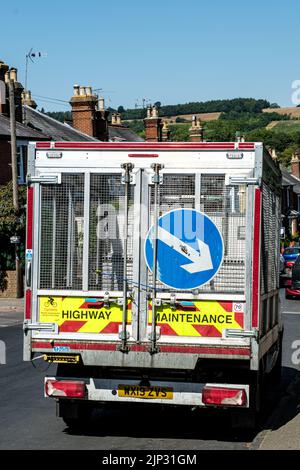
<point>99,308</point>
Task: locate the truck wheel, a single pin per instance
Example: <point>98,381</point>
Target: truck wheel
<point>275,374</point>
<point>75,415</point>
<point>245,419</point>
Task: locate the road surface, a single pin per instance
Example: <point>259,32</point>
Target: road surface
<point>28,420</point>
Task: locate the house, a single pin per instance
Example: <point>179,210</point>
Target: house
<point>24,136</point>
<point>291,199</point>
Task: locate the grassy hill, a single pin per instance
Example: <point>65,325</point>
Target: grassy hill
<point>285,126</point>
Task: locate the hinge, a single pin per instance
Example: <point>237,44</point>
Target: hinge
<point>48,327</point>
<point>237,180</point>
<point>44,179</point>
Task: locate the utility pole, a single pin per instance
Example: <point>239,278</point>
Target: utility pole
<point>14,171</point>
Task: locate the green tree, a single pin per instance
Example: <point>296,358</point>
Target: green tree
<point>11,224</point>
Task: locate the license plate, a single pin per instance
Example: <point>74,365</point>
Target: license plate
<point>137,391</point>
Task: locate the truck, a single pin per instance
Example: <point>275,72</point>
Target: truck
<point>152,275</point>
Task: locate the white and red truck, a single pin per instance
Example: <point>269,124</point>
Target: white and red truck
<point>152,274</point>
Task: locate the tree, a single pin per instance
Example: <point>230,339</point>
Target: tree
<point>157,104</point>
<point>11,225</point>
<point>121,110</point>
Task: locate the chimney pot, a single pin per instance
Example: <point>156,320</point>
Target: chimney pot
<point>13,74</point>
<point>76,90</point>
<point>7,77</point>
<point>118,119</point>
<point>101,104</point>
<point>88,90</point>
<point>82,91</point>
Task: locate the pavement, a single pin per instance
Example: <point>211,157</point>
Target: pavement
<point>285,422</point>
<point>11,305</point>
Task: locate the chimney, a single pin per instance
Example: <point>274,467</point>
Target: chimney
<point>83,104</point>
<point>165,132</point>
<point>27,99</point>
<point>295,165</point>
<point>153,125</point>
<point>273,154</point>
<point>116,120</point>
<point>196,130</point>
<point>102,132</point>
<point>12,75</point>
<point>119,121</point>
<point>3,89</point>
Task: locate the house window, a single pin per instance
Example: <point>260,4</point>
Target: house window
<point>21,162</point>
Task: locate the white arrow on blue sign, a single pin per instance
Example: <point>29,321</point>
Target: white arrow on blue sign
<point>190,249</point>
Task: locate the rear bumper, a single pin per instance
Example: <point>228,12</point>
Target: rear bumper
<point>172,356</point>
<point>184,394</point>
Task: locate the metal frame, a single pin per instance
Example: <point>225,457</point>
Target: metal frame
<point>141,172</point>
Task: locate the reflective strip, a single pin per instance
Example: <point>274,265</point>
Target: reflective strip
<point>38,345</point>
<point>256,258</point>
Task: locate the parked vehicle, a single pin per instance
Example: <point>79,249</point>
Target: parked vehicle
<point>281,264</point>
<point>291,253</point>
<point>294,289</point>
<point>152,274</point>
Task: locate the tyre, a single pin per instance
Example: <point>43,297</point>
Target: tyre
<point>275,374</point>
<point>75,415</point>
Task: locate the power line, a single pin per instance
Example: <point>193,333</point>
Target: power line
<point>50,98</point>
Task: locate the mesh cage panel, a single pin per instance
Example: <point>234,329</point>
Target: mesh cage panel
<point>271,220</point>
<point>106,235</point>
<point>176,191</point>
<point>226,206</point>
<point>62,233</point>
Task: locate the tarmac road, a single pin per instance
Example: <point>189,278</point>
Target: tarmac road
<point>28,421</point>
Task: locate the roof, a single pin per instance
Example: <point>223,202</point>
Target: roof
<point>123,134</point>
<point>55,130</point>
<point>22,132</point>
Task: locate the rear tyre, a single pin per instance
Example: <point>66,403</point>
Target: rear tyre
<point>275,374</point>
<point>75,415</point>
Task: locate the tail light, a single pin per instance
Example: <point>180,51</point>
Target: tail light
<point>221,396</point>
<point>289,264</point>
<point>65,388</point>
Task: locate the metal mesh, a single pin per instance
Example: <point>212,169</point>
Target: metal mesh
<point>62,233</point>
<point>226,206</point>
<point>270,240</point>
<point>176,191</point>
<point>106,236</point>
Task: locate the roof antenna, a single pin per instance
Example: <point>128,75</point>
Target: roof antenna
<point>30,56</point>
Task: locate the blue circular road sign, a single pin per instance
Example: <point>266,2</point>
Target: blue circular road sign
<point>190,249</point>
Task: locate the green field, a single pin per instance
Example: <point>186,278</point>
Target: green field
<point>285,126</point>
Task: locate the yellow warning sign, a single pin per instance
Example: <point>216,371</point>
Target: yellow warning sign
<point>82,315</point>
<point>197,318</point>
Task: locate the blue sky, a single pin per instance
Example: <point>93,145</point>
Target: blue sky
<point>168,50</point>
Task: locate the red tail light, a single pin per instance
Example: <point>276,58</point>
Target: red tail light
<point>289,264</point>
<point>65,388</point>
<point>224,396</point>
